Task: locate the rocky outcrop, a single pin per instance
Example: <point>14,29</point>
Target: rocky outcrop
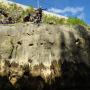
<point>45,57</point>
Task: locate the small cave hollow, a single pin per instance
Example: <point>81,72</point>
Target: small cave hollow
<point>31,44</point>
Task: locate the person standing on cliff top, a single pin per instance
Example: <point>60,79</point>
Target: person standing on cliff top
<point>38,15</point>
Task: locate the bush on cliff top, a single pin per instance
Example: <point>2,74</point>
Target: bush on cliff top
<point>75,21</point>
<point>53,20</point>
<point>18,13</point>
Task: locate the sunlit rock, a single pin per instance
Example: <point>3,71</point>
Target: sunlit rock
<point>47,52</point>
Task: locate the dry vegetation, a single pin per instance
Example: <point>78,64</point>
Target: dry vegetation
<point>18,14</point>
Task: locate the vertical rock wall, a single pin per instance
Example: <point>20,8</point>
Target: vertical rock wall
<point>48,53</point>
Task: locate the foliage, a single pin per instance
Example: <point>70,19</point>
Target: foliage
<point>75,21</point>
<point>56,20</point>
<point>53,20</point>
<point>13,11</point>
<point>88,27</point>
<point>18,13</point>
<point>29,10</point>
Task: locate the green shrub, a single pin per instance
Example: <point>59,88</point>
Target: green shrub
<point>75,21</point>
<point>53,20</point>
<point>88,27</point>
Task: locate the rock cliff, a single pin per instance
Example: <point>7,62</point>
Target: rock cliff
<point>45,57</point>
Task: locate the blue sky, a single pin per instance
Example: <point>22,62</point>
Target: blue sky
<point>75,8</point>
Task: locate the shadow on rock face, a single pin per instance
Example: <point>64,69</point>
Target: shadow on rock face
<point>5,84</point>
<point>30,83</point>
<point>75,75</point>
<point>24,83</point>
<point>75,70</point>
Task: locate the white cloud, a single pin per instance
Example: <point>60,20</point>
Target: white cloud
<point>74,11</point>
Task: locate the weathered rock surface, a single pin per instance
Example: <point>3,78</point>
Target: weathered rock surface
<point>32,56</point>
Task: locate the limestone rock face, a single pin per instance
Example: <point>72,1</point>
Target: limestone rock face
<point>48,51</point>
